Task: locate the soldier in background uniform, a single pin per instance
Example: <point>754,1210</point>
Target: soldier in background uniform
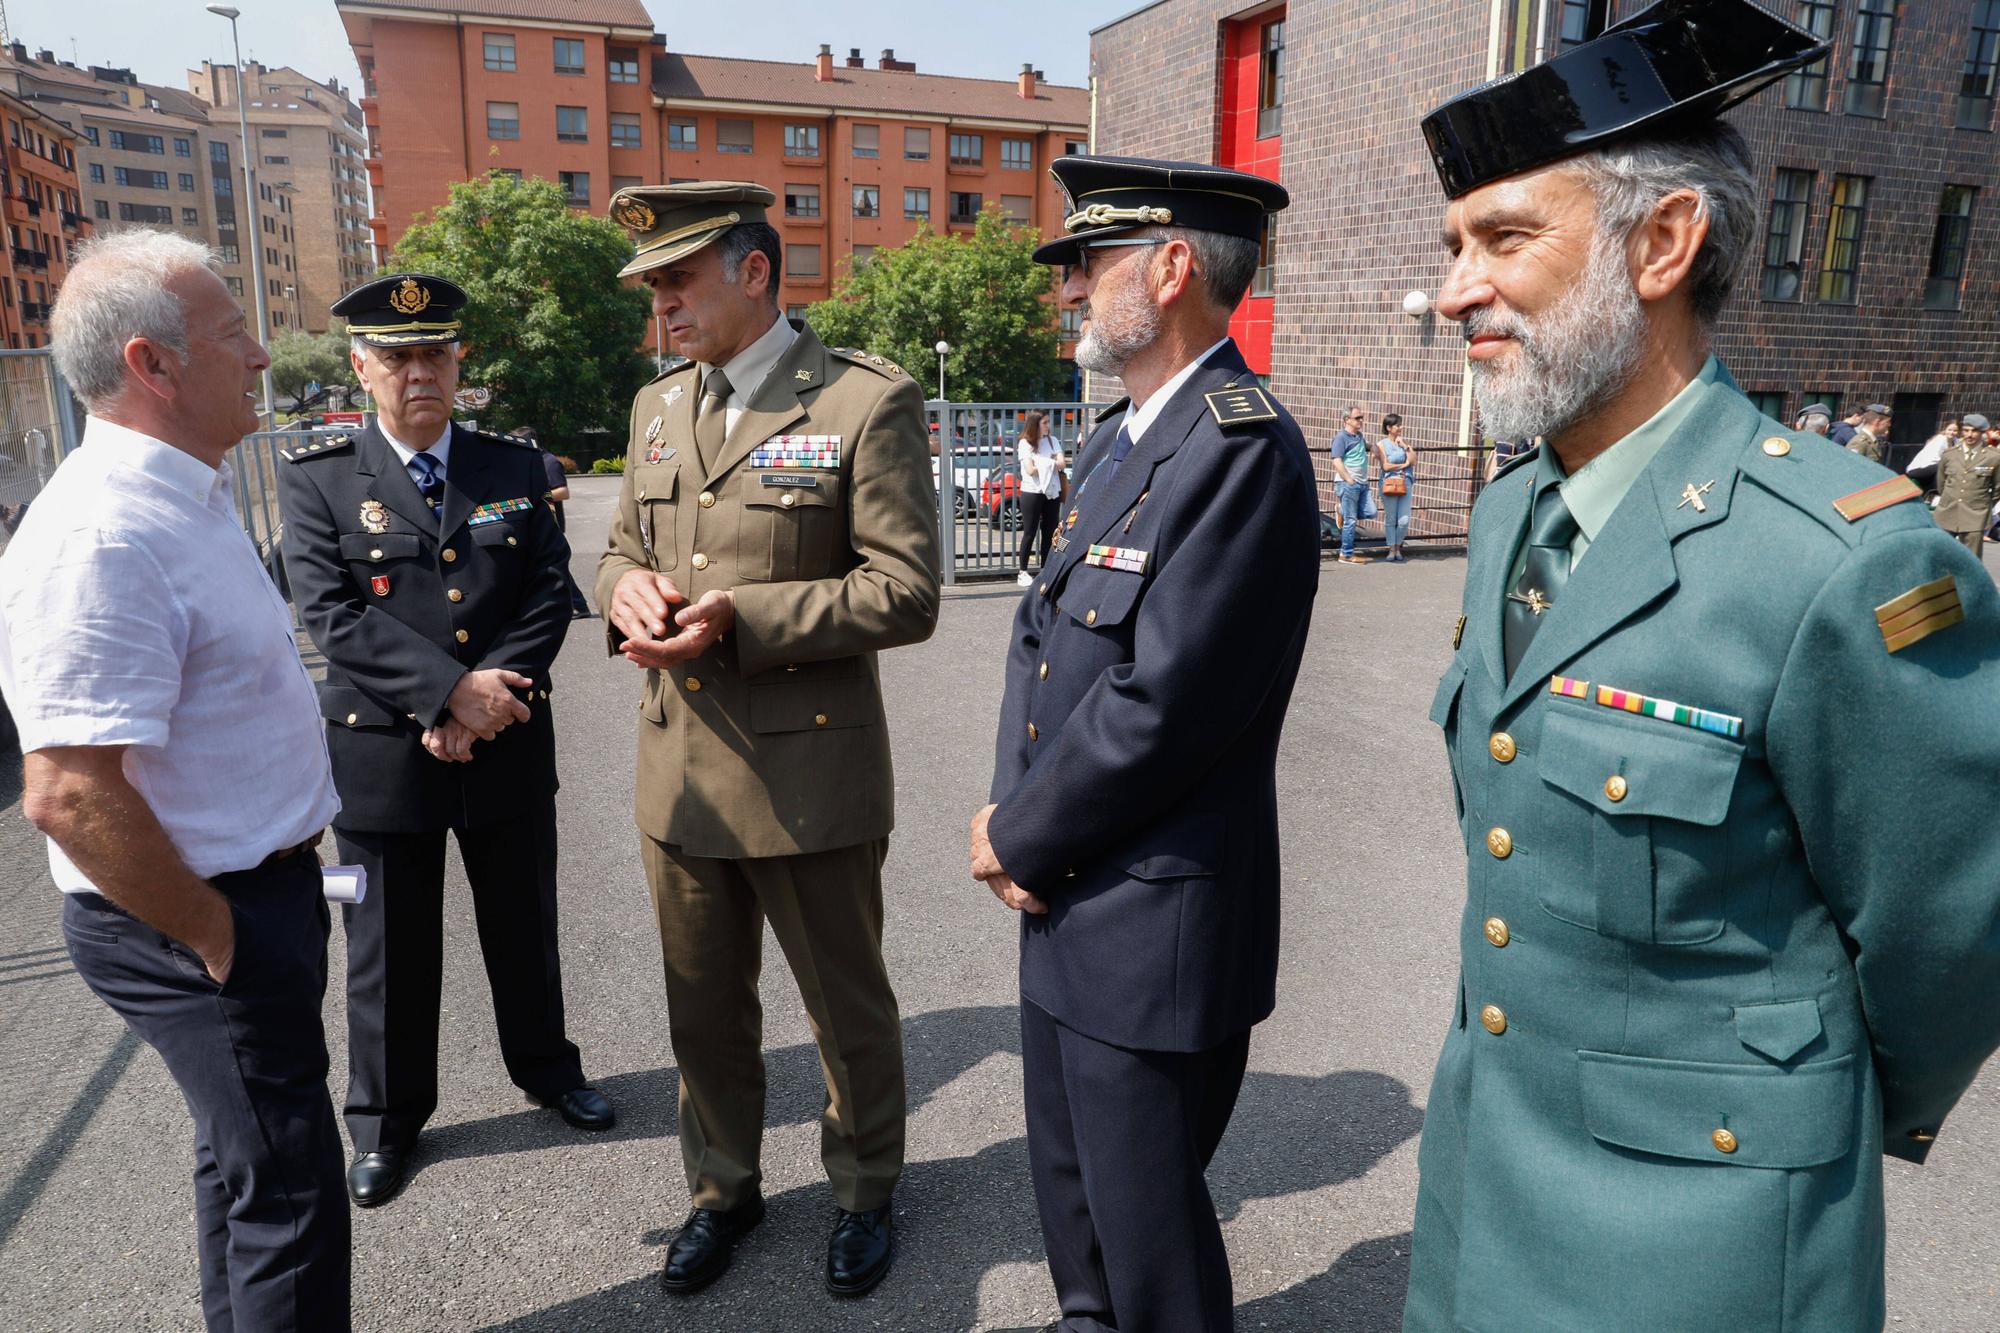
<point>1968,484</point>
<point>1871,435</point>
<point>776,530</point>
<point>430,572</point>
<point>1717,956</point>
<point>1135,815</point>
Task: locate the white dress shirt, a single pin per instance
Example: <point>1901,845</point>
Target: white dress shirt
<point>441,451</point>
<point>749,368</point>
<point>1138,418</point>
<point>134,612</point>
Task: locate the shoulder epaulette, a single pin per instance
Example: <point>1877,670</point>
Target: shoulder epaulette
<point>1860,504</point>
<point>316,448</point>
<point>1240,405</point>
<point>880,365</point>
<point>517,441</point>
<point>1113,410</point>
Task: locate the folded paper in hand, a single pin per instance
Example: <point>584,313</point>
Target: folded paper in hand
<point>344,884</point>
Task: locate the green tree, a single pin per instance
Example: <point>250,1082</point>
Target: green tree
<point>984,294</point>
<point>550,327</point>
<point>300,359</point>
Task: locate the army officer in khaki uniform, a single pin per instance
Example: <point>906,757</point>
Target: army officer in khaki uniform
<point>776,529</point>
<point>1968,483</point>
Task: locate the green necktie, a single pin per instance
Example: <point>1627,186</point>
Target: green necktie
<point>1542,578</point>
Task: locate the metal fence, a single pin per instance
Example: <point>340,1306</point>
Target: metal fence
<point>1444,482</point>
<point>253,466</point>
<point>38,429</point>
<point>978,479</point>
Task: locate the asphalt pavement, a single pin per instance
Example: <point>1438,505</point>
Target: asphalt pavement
<point>514,1222</point>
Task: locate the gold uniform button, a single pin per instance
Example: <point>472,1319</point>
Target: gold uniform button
<point>788,499</point>
<point>708,499</point>
<point>1045,590</point>
<point>700,561</point>
<point>1032,733</point>
<point>352,718</point>
<point>1493,1019</point>
<point>447,555</point>
<point>462,636</point>
<point>1090,616</point>
<point>456,595</point>
<point>1497,933</point>
<point>1044,672</point>
<point>1777,446</point>
<point>375,554</point>
<point>513,541</point>
<point>1502,747</point>
<point>1723,1140</point>
<point>819,719</point>
<point>1500,842</point>
<point>1615,787</point>
<point>693,685</point>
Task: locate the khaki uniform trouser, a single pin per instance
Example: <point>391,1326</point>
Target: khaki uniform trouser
<point>1974,541</point>
<point>826,910</point>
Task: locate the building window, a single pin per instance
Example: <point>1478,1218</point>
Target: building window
<point>190,217</point>
<point>503,120</point>
<point>624,130</point>
<point>138,143</point>
<point>1264,282</point>
<point>1785,236</point>
<point>218,152</point>
<point>868,141</point>
<point>1072,323</point>
<point>623,63</point>
<point>1017,154</point>
<point>1982,54</point>
<point>916,204</point>
<point>500,51</point>
<point>186,181</point>
<point>1017,207</point>
<point>1948,246</point>
<point>795,312</point>
<point>733,136</point>
<point>802,201</point>
<point>572,124</point>
<point>278,161</point>
<point>1843,239</point>
<point>576,187</point>
<point>101,207</point>
<point>1583,20</point>
<point>153,213</point>
<point>802,261</point>
<point>230,254</point>
<point>1805,88</point>
<point>1271,80</point>
<point>274,134</point>
<point>801,141</point>
<point>868,201</point>
<point>511,173</point>
<point>682,134</point>
<point>134,179</point>
<point>1771,402</point>
<point>97,173</point>
<point>916,144</point>
<point>89,134</point>
<point>964,206</point>
<point>862,254</point>
<point>181,147</point>
<point>1075,148</point>
<point>569,55</point>
<point>967,150</point>
<point>235,286</point>
<point>1868,71</point>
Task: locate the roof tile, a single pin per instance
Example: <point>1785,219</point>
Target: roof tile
<point>725,79</point>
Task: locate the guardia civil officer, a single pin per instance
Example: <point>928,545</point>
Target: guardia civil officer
<point>776,529</point>
<point>1968,483</point>
<point>1717,955</point>
<point>1135,814</point>
<point>429,571</point>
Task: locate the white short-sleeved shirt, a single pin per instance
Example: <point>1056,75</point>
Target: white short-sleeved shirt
<point>134,611</point>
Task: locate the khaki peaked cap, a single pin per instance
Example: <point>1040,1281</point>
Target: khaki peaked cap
<point>669,222</point>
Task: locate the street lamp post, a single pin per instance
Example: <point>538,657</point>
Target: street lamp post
<point>943,348</point>
<point>250,189</point>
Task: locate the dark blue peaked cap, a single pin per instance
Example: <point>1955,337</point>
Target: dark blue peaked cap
<point>1676,64</point>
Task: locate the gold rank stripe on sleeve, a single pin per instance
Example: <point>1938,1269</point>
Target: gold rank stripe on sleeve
<point>1880,496</point>
<point>1235,406</point>
<point>1919,613</point>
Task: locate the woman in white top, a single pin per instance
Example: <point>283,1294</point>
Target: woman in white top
<point>1041,488</point>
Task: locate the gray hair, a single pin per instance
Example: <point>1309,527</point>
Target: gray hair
<point>1629,180</point>
<point>747,238</point>
<point>117,291</point>
<point>1227,264</point>
<point>1816,422</point>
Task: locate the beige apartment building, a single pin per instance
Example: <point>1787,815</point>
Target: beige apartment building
<point>309,141</point>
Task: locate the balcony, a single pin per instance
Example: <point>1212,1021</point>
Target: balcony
<point>26,258</point>
<point>374,165</point>
<point>71,221</point>
<point>34,206</point>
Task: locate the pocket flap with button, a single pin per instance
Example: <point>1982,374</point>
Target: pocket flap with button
<point>363,546</point>
<point>811,705</point>
<point>1189,848</point>
<point>1665,769</point>
<point>1778,1030</point>
<point>1447,692</point>
<point>657,481</point>
<point>501,533</point>
<point>824,495</point>
<point>1737,1115</point>
<point>1100,597</point>
<point>351,707</point>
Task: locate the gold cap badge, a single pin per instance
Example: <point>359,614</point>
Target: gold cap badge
<point>410,297</point>
<point>633,215</point>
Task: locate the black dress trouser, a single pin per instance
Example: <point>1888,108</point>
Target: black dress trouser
<point>395,968</point>
<point>1118,1145</point>
<point>250,1058</point>
<point>1039,515</point>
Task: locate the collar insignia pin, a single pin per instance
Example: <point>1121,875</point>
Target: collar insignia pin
<point>674,394</point>
<point>803,376</point>
<point>1691,495</point>
<point>653,430</point>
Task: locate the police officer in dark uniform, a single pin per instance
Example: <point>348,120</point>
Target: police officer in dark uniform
<point>1135,815</point>
<point>429,571</point>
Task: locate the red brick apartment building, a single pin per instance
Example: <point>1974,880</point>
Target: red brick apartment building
<point>584,92</point>
<point>1879,276</point>
<point>44,218</point>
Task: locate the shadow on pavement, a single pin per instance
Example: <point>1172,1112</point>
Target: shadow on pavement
<point>28,1183</point>
<point>1290,1134</point>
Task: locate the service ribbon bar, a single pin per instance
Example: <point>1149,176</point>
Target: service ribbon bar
<point>1117,557</point>
<point>797,451</point>
<point>1668,711</point>
<point>495,510</point>
<point>1568,687</point>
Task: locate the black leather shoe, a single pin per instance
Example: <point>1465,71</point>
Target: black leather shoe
<point>375,1177</point>
<point>700,1250</point>
<point>584,1108</point>
<point>858,1254</point>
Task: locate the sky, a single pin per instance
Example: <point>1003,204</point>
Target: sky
<point>160,39</point>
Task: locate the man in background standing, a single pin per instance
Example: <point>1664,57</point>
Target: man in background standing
<point>1350,466</point>
<point>1968,484</point>
<point>1871,436</point>
<point>1843,430</point>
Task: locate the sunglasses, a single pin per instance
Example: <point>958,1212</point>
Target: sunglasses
<point>1084,251</point>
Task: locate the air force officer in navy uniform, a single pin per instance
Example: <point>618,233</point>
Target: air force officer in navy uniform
<point>430,572</point>
<point>1135,815</point>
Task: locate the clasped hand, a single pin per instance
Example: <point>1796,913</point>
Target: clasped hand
<point>986,869</point>
<point>642,606</point>
<point>480,707</point>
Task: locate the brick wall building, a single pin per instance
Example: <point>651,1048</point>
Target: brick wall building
<point>44,218</point>
<point>1883,276</point>
<point>586,94</point>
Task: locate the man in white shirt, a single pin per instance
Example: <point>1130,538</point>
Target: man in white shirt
<point>175,761</point>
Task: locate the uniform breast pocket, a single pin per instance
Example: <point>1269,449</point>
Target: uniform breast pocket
<point>791,531</point>
<point>1649,799</point>
<point>659,512</point>
<point>502,540</point>
<point>378,552</point>
<point>1103,599</point>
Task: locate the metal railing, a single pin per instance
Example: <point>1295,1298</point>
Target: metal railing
<point>978,480</point>
<point>253,466</point>
<point>1445,481</point>
<point>39,426</point>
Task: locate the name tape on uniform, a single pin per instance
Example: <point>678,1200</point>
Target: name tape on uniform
<point>495,510</point>
<point>1127,558</point>
<point>798,451</point>
<point>1666,710</point>
<point>804,480</point>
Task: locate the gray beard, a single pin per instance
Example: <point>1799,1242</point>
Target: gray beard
<point>1119,331</point>
<point>1572,358</point>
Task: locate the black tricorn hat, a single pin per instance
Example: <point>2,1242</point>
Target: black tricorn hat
<point>1677,63</point>
<point>1110,195</point>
